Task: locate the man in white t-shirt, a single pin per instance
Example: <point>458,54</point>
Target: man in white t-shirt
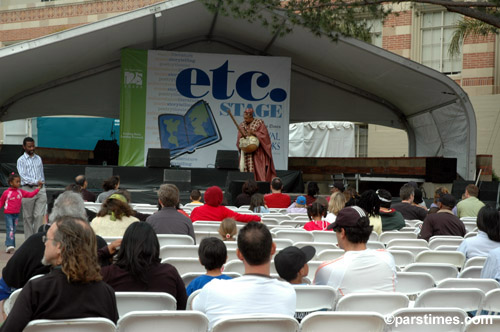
<point>359,269</point>
<point>253,293</point>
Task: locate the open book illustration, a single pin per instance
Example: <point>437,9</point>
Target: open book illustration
<point>186,133</point>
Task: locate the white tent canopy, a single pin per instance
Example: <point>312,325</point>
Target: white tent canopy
<point>77,72</point>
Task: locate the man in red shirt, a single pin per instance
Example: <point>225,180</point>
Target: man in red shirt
<point>277,199</point>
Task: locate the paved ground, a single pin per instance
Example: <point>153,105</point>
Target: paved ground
<point>4,257</point>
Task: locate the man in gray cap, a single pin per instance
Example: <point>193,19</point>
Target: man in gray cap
<point>444,222</point>
<point>359,269</point>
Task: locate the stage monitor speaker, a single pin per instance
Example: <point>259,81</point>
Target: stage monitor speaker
<point>488,191</point>
<point>158,158</point>
<point>180,177</point>
<point>106,153</point>
<point>227,159</point>
<point>440,170</point>
<point>235,176</point>
<point>96,175</point>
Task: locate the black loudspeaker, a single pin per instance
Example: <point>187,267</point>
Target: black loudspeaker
<point>227,159</point>
<point>488,191</point>
<point>158,158</point>
<point>106,153</point>
<point>180,177</point>
<point>231,192</point>
<point>440,170</point>
<point>96,175</point>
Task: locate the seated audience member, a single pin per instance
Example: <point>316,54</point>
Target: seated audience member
<point>299,206</point>
<point>73,288</point>
<point>338,186</point>
<point>291,263</point>
<point>248,189</point>
<point>351,197</point>
<point>336,203</point>
<point>392,220</point>
<point>257,204</point>
<point>370,202</point>
<point>444,222</point>
<point>114,217</point>
<point>359,269</point>
<point>88,196</point>
<point>212,210</point>
<point>254,292</point>
<point>195,197</point>
<point>491,268</point>
<point>470,206</point>
<point>488,235</point>
<point>409,211</point>
<point>418,199</point>
<point>440,191</point>
<point>26,261</point>
<point>212,253</point>
<point>110,186</point>
<point>228,229</point>
<point>168,220</point>
<point>138,268</point>
<point>137,214</point>
<point>312,192</point>
<point>276,199</point>
<point>316,213</point>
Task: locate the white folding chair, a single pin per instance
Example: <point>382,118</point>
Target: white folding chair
<point>470,234</point>
<point>483,324</point>
<point>315,297</point>
<point>213,227</point>
<point>456,258</point>
<point>200,235</point>
<point>407,229</point>
<point>324,236</point>
<point>343,321</point>
<point>434,243</point>
<point>96,324</point>
<point>412,222</point>
<point>313,266</point>
<point>485,285</point>
<point>469,219</point>
<point>190,250</point>
<point>190,299</point>
<point>374,245</point>
<point>235,266</point>
<point>467,299</point>
<point>9,302</point>
<point>185,264</point>
<point>413,283</point>
<point>158,321</point>
<point>301,218</point>
<point>414,250</point>
<point>471,272</point>
<point>329,255</point>
<point>475,261</point>
<point>373,236</point>
<point>231,244</point>
<point>294,223</point>
<point>470,226</point>
<point>256,323</point>
<point>382,303</point>
<point>438,320</point>
<point>141,301</point>
<point>283,243</point>
<point>319,246</point>
<point>279,216</point>
<point>188,277</point>
<point>385,237</point>
<point>268,221</point>
<point>446,248</point>
<point>438,271</point>
<point>174,239</point>
<point>402,257</point>
<point>407,243</point>
<point>295,236</point>
<point>491,303</point>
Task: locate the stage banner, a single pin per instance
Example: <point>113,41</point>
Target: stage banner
<point>187,100</point>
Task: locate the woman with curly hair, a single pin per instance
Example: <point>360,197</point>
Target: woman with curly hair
<point>370,202</point>
<point>114,217</point>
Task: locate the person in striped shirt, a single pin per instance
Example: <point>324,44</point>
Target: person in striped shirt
<point>30,168</point>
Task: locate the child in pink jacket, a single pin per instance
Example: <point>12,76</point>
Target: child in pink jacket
<point>11,201</point>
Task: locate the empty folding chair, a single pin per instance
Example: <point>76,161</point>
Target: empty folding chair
<point>295,236</point>
<point>413,223</point>
<point>329,255</point>
<point>434,243</point>
<point>343,321</point>
<point>469,219</point>
<point>268,221</point>
<point>491,303</point>
<point>174,239</point>
<point>319,246</point>
<point>312,298</point>
<point>402,257</point>
<point>280,217</point>
<point>322,236</point>
<point>231,254</point>
<point>301,218</point>
<point>467,299</point>
<point>294,223</point>
<point>456,258</point>
<point>470,226</point>
<point>471,272</point>
<point>446,248</point>
<point>483,324</point>
<point>235,266</point>
<point>454,237</point>
<point>179,251</point>
<point>185,264</point>
<point>373,236</point>
<point>256,323</point>
<point>96,324</point>
<point>413,283</point>
<point>212,227</point>
<point>408,243</point>
<point>140,301</point>
<point>383,303</point>
<point>475,261</point>
<point>231,244</point>
<point>427,319</point>
<point>485,285</point>
<point>414,250</point>
<point>385,237</point>
<point>374,245</point>
<point>407,229</point>
<point>438,271</point>
<point>158,321</point>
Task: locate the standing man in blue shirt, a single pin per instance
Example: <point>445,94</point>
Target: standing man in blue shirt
<point>30,168</point>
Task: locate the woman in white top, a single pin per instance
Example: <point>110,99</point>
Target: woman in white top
<point>114,217</point>
<point>337,203</point>
<point>488,235</point>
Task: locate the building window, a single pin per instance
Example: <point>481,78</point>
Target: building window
<point>375,26</point>
<point>437,31</point>
<point>361,140</point>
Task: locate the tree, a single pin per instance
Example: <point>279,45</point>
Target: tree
<point>334,17</point>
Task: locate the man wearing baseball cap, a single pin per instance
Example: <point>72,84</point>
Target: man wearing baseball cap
<point>359,269</point>
<point>291,263</point>
<point>444,222</point>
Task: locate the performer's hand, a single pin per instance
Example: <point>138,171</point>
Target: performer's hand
<point>40,184</point>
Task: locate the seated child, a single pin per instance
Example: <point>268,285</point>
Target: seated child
<point>195,197</point>
<point>228,229</point>
<point>299,206</point>
<point>291,263</point>
<point>257,204</point>
<point>317,212</point>
<point>212,253</point>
